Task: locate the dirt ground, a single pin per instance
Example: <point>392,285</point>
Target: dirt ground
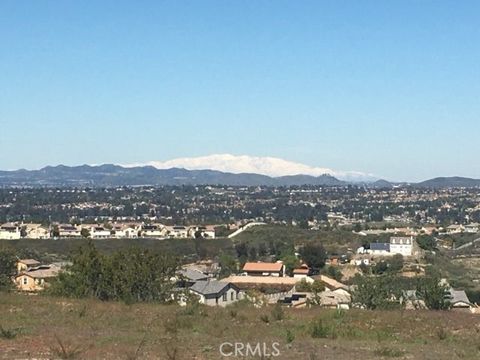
<point>39,327</point>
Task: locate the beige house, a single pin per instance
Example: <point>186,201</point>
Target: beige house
<point>264,269</point>
<point>37,231</point>
<point>37,278</point>
<point>25,264</point>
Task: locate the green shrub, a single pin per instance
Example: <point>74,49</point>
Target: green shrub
<point>320,330</point>
<point>290,336</point>
<point>277,312</point>
<point>265,318</point>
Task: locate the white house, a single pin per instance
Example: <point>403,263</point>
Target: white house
<point>178,231</point>
<point>125,231</point>
<point>99,232</point>
<point>67,230</point>
<point>154,230</point>
<point>401,245</point>
<point>10,232</point>
<point>207,232</point>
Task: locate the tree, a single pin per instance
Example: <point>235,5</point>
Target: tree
<point>291,262</point>
<point>228,265</point>
<point>313,255</point>
<point>242,252</point>
<point>8,263</point>
<point>252,254</point>
<point>377,292</point>
<point>427,242</point>
<point>333,272</point>
<point>85,233</point>
<point>434,293</point>
<point>131,275</point>
<point>395,264</point>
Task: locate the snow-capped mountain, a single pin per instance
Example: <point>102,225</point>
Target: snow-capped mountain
<point>269,166</point>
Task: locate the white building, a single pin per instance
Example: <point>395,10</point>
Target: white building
<point>125,231</point>
<point>10,232</point>
<point>207,232</point>
<point>401,245</point>
<point>154,230</point>
<point>178,231</point>
<point>67,230</point>
<point>37,231</point>
<point>99,232</point>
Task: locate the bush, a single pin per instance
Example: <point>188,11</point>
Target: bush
<point>319,330</point>
<point>265,318</point>
<point>277,312</point>
<point>388,352</point>
<point>8,334</point>
<point>8,263</point>
<point>290,336</point>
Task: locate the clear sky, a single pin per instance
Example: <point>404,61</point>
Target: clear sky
<point>384,87</point>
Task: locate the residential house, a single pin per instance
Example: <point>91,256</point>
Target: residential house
<point>25,264</point>
<point>401,245</point>
<point>37,231</point>
<point>335,300</point>
<point>454,229</point>
<point>36,278</point>
<point>10,232</point>
<point>125,231</point>
<point>216,293</point>
<point>380,249</point>
<point>459,300</point>
<point>154,230</point>
<point>333,285</point>
<point>472,228</point>
<point>188,277</point>
<point>264,269</point>
<point>67,230</point>
<point>302,272</point>
<point>100,232</point>
<point>177,231</point>
<point>207,232</point>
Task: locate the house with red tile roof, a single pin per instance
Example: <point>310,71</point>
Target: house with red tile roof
<point>264,269</point>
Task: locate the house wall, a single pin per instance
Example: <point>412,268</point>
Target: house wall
<point>231,297</point>
<point>9,235</point>
<point>39,233</point>
<point>27,283</point>
<point>405,250</point>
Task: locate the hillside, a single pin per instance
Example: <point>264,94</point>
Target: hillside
<point>44,327</point>
<point>446,182</point>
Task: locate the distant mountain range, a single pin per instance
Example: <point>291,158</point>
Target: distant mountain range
<point>116,175</point>
<point>446,182</point>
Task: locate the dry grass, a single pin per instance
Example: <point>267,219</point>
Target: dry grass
<point>88,329</point>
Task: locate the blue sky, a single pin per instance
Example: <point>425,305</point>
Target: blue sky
<point>384,87</point>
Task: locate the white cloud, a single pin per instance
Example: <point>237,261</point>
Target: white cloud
<point>270,166</point>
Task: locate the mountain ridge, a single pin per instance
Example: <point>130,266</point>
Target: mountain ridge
<point>106,175</point>
<point>116,175</point>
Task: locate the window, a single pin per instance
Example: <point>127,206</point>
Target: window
<point>224,297</point>
<point>231,297</point>
<point>25,281</point>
